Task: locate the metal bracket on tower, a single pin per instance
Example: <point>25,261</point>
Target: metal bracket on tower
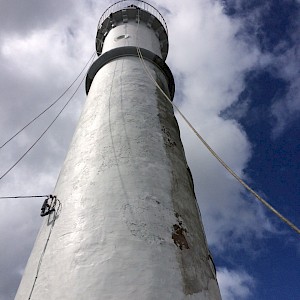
<point>150,21</point>
<point>47,208</point>
<point>159,31</point>
<point>129,51</point>
<point>112,21</point>
<point>124,15</point>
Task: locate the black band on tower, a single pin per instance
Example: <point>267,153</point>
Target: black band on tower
<point>129,51</point>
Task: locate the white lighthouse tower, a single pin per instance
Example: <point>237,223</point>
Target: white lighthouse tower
<point>128,227</point>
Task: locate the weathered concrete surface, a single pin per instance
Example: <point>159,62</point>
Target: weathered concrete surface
<point>123,186</point>
<point>128,34</point>
<point>129,227</point>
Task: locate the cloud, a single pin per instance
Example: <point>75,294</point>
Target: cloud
<point>280,48</point>
<point>213,58</point>
<point>42,53</point>
<point>16,241</point>
<point>37,64</point>
<point>25,17</point>
<point>235,285</point>
<point>287,109</point>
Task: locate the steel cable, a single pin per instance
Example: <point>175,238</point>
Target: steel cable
<point>23,197</point>
<point>47,108</point>
<point>44,132</point>
<point>246,186</point>
<point>56,212</point>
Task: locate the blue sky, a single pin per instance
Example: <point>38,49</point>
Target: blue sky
<point>274,165</point>
<point>236,67</point>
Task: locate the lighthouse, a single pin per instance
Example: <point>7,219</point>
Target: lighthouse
<point>124,222</point>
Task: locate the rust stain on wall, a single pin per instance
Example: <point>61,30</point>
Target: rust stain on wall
<point>179,237</point>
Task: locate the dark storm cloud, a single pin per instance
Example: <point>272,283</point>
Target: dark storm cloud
<point>24,16</point>
<point>40,55</point>
<point>16,242</point>
<point>34,73</point>
<point>18,107</point>
<point>35,174</point>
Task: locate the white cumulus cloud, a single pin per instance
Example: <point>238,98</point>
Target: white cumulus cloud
<point>235,285</point>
